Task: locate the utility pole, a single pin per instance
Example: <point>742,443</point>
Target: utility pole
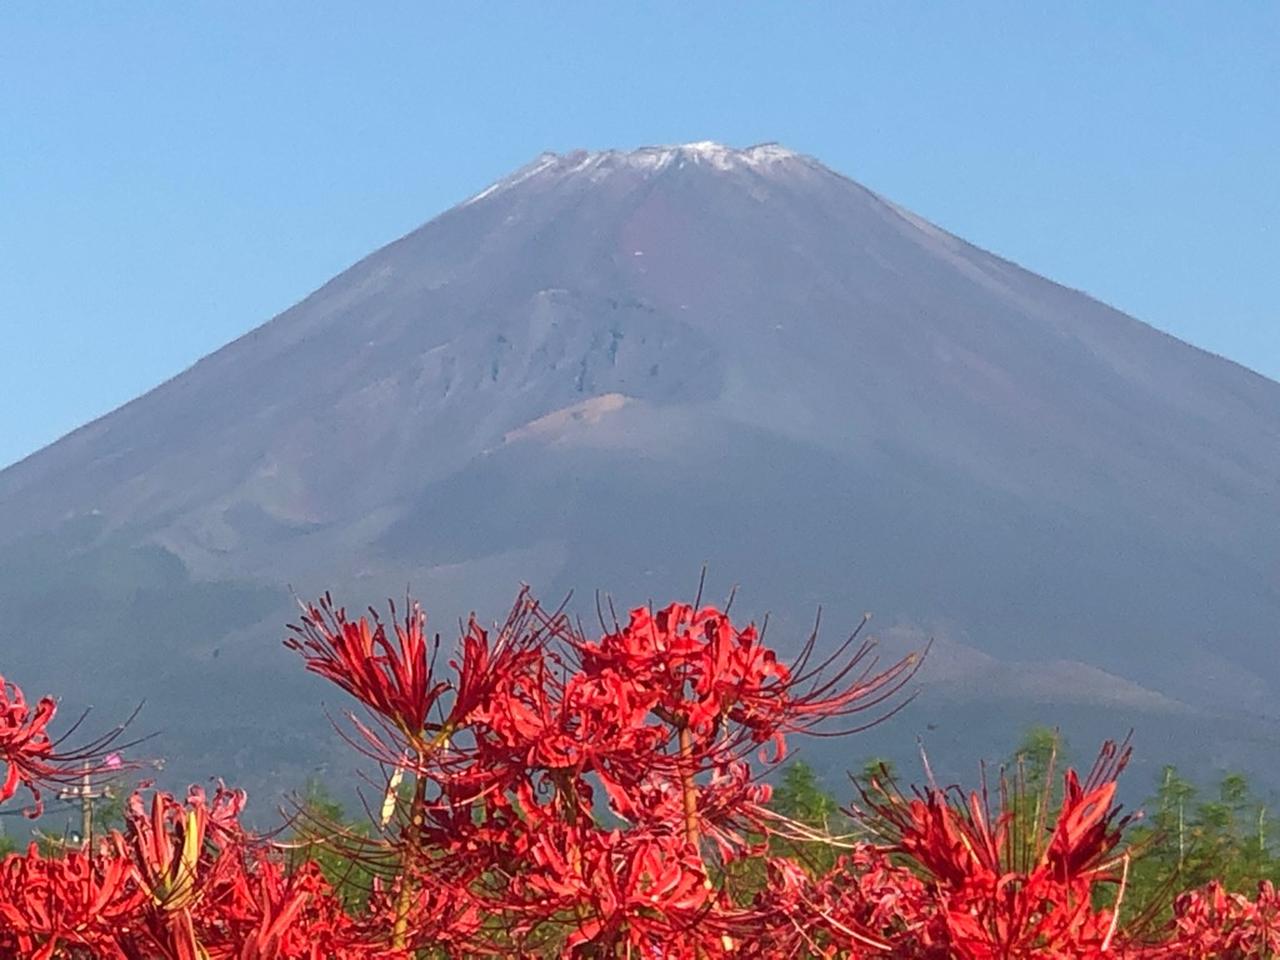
<point>87,794</point>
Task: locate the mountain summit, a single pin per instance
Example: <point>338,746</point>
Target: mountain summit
<point>610,368</point>
<point>763,157</point>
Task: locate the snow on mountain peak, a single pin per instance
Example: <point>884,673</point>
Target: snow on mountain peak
<point>597,164</point>
<point>702,151</point>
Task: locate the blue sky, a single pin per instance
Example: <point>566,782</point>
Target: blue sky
<point>172,175</point>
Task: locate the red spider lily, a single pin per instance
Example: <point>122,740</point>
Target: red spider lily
<point>866,906</point>
<point>443,915</point>
<point>998,902</point>
<point>701,672</point>
<point>277,905</point>
<point>30,758</point>
<point>393,679</point>
<point>167,846</point>
<point>726,809</point>
<point>25,746</point>
<point>688,665</point>
<point>396,681</point>
<point>1212,924</point>
<point>587,725</point>
<point>76,900</point>
<point>486,663</point>
<point>179,852</point>
<point>261,912</point>
<point>635,890</point>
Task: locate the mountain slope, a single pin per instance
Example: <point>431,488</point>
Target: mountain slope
<point>610,368</point>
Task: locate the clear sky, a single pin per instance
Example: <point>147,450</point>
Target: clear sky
<point>172,175</point>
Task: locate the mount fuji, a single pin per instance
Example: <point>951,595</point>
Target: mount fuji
<point>612,368</point>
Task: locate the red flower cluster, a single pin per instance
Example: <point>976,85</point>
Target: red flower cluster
<point>585,793</point>
<point>183,882</point>
<point>1211,924</point>
<point>953,878</point>
<point>552,794</point>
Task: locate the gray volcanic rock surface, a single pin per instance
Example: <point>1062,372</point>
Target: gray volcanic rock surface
<point>611,368</point>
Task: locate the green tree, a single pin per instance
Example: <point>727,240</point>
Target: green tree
<point>1161,843</point>
<point>1185,841</point>
<point>801,799</point>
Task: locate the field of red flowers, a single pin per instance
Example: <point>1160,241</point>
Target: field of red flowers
<point>553,793</point>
